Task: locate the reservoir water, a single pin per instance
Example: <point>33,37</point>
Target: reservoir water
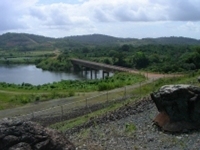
<point>19,74</point>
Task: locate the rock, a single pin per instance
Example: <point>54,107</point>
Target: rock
<point>20,135</point>
<point>179,107</point>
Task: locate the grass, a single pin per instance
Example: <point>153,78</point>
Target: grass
<point>18,54</point>
<point>15,95</point>
<point>12,99</point>
<point>130,128</point>
<point>6,101</point>
<point>154,86</point>
<point>22,57</point>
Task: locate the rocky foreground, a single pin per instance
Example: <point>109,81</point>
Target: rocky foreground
<point>131,130</point>
<point>130,127</point>
<point>21,135</point>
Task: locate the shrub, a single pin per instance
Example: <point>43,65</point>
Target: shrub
<point>37,98</point>
<point>24,100</point>
<point>71,93</point>
<point>105,86</point>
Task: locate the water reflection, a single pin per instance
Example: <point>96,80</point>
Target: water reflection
<point>30,74</point>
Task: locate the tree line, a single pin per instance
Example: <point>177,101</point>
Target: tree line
<point>155,58</point>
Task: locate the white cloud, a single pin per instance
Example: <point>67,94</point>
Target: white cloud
<point>191,26</point>
<point>56,18</point>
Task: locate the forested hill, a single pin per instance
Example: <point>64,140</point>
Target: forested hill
<point>98,39</point>
<point>22,41</point>
<point>94,39</point>
<point>177,40</point>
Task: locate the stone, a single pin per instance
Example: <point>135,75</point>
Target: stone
<point>27,135</point>
<point>179,107</point>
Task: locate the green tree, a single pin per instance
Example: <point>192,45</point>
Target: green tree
<point>140,60</point>
<point>125,48</point>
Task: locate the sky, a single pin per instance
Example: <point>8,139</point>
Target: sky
<point>119,18</point>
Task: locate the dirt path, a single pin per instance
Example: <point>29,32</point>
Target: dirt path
<point>151,75</point>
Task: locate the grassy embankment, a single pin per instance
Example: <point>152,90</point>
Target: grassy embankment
<point>142,91</point>
<point>12,95</point>
<point>24,57</point>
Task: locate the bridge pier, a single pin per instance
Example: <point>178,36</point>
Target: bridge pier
<point>105,74</point>
<point>85,70</point>
<point>91,72</point>
<point>93,67</point>
<point>95,73</point>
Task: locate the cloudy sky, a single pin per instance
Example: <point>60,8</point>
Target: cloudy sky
<point>121,18</point>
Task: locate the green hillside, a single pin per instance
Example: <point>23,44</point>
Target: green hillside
<point>26,42</point>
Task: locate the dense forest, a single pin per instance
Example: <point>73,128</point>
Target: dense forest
<point>166,54</point>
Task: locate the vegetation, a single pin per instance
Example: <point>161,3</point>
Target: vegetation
<point>166,55</point>
<point>26,93</point>
<point>130,128</point>
<point>154,58</point>
<point>25,42</point>
<point>54,64</point>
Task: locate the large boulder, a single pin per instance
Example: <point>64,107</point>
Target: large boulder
<point>179,107</point>
<point>20,135</point>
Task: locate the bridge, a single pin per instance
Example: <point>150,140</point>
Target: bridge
<point>112,68</point>
<point>99,66</point>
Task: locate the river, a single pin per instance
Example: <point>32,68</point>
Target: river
<point>19,74</point>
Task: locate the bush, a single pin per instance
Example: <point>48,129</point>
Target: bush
<point>71,93</point>
<point>105,86</point>
<point>24,100</point>
<point>37,98</point>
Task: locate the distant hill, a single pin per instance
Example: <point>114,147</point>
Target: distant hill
<point>99,39</point>
<point>174,40</point>
<point>23,41</point>
<point>94,39</point>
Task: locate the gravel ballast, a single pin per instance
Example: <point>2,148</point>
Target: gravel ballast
<point>134,131</point>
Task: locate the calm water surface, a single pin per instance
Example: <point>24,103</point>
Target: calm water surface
<point>30,74</point>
